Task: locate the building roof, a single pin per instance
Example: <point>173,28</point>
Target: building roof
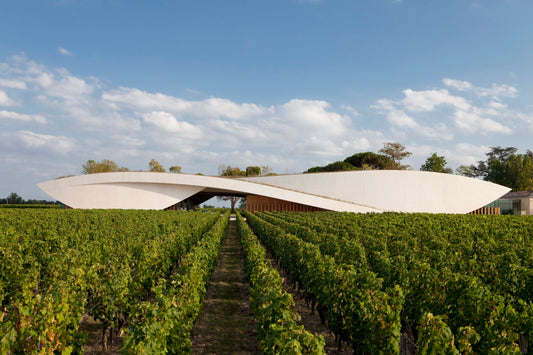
<point>516,195</point>
<point>353,191</point>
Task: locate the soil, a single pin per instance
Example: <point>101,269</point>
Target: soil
<point>227,325</point>
<point>94,344</point>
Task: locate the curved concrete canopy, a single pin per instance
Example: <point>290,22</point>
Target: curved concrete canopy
<point>352,191</point>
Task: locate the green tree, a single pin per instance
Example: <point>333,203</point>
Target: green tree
<point>228,170</point>
<point>103,166</point>
<point>336,166</point>
<point>371,161</point>
<point>175,169</point>
<point>503,166</point>
<point>155,166</point>
<point>464,171</point>
<point>396,152</point>
<point>496,155</point>
<point>14,198</point>
<point>436,164</point>
<point>253,171</point>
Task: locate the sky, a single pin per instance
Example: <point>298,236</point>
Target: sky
<point>290,84</point>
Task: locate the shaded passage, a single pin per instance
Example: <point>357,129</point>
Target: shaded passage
<point>227,325</point>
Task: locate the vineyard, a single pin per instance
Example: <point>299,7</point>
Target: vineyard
<point>382,283</point>
<point>427,283</point>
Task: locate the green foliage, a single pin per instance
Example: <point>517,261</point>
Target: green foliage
<point>435,337</point>
<point>464,170</point>
<point>336,166</point>
<point>436,164</point>
<point>103,166</point>
<point>397,152</point>
<point>473,273</point>
<point>253,171</point>
<point>277,321</point>
<point>503,166</point>
<point>56,265</point>
<point>175,169</point>
<point>155,167</point>
<point>164,324</point>
<point>354,302</point>
<point>370,161</point>
<point>358,161</point>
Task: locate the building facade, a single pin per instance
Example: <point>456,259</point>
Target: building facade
<point>516,203</point>
<point>351,191</point>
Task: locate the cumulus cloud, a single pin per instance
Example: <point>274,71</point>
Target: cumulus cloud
<point>473,122</point>
<point>428,100</point>
<point>10,115</point>
<point>168,123</point>
<point>5,100</point>
<point>399,118</point>
<point>468,117</point>
<point>13,84</point>
<point>209,108</point>
<point>314,115</point>
<point>99,122</point>
<point>36,141</point>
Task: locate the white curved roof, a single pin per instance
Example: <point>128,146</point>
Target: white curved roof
<point>353,191</point>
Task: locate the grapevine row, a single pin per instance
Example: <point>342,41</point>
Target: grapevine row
<point>163,325</point>
<point>479,318</point>
<point>57,265</point>
<point>353,301</point>
<point>273,307</point>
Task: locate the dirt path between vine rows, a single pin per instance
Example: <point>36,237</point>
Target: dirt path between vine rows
<point>227,325</point>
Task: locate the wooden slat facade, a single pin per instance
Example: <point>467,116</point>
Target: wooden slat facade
<point>486,210</point>
<point>255,203</point>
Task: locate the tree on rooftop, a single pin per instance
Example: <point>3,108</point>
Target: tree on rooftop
<point>436,164</point>
<point>371,161</point>
<point>155,166</point>
<point>396,152</point>
<point>175,169</point>
<point>253,171</point>
<point>103,166</point>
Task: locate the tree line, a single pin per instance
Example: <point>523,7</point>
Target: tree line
<point>109,166</point>
<point>14,199</point>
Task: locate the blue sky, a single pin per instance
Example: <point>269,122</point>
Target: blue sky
<point>291,84</point>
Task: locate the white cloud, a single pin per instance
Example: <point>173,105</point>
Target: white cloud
<point>351,110</point>
<point>458,85</point>
<point>64,51</point>
<point>472,122</point>
<point>313,115</point>
<point>168,123</point>
<point>496,90</point>
<point>469,118</point>
<point>31,140</point>
<point>125,123</point>
<point>208,108</point>
<point>399,118</point>
<point>5,100</point>
<point>13,84</point>
<point>428,100</point>
<point>10,115</point>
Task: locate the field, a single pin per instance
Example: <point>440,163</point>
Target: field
<point>382,283</point>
